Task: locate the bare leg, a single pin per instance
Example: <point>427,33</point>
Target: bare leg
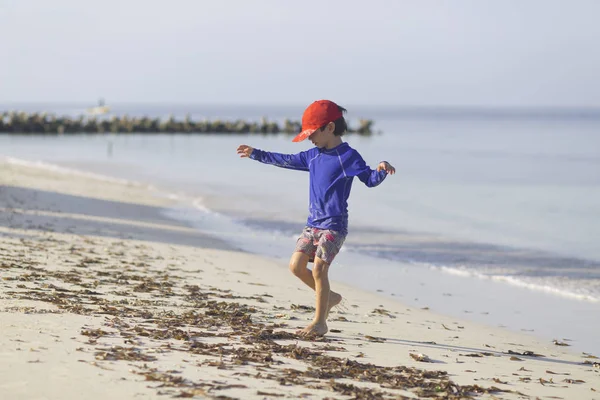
<point>321,281</point>
<point>298,266</point>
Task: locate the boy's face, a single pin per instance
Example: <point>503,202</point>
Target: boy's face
<point>322,136</point>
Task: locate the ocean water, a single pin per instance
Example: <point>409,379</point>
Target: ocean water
<point>487,214</point>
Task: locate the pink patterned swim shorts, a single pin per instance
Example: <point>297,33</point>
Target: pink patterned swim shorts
<point>322,243</point>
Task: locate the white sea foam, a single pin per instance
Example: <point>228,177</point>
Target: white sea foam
<point>199,204</point>
<point>560,287</point>
<point>563,286</point>
<point>552,288</point>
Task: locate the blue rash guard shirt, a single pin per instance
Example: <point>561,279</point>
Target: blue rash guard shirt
<point>331,174</point>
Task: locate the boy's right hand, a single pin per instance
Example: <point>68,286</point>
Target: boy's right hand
<point>244,150</point>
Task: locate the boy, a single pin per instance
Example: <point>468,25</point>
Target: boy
<point>332,165</point>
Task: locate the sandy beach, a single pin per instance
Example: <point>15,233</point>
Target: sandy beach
<point>103,295</point>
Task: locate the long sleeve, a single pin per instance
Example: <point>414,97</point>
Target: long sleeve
<point>297,161</point>
<point>368,176</point>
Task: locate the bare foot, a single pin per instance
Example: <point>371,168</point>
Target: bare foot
<point>314,329</point>
<point>334,300</point>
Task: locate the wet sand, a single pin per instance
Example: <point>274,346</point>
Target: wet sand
<point>102,295</point>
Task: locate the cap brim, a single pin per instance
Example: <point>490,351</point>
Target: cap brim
<point>303,135</point>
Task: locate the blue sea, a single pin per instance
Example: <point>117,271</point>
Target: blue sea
<point>493,215</point>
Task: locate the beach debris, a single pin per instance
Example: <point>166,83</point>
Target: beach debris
<point>568,380</point>
<point>156,313</point>
<point>329,347</point>
<point>559,343</point>
<point>556,373</point>
<point>299,307</point>
<point>191,393</point>
<point>480,354</point>
<point>260,393</point>
<point>420,357</point>
<point>513,358</point>
<point>285,316</point>
<point>96,333</point>
<point>382,311</point>
<point>122,353</point>
<point>375,339</point>
<point>528,353</point>
<point>497,380</point>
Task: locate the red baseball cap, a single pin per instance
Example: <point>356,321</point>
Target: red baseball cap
<point>318,114</point>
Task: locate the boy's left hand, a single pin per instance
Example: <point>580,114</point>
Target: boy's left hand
<point>387,167</point>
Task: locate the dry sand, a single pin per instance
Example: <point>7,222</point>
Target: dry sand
<point>101,295</point>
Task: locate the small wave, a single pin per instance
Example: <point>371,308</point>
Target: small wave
<point>199,205</point>
<point>552,288</point>
<point>563,292</point>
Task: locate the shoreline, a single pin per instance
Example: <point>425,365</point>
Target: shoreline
<point>482,299</point>
<point>489,301</point>
<point>93,271</point>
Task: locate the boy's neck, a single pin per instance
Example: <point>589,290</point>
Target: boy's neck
<point>335,142</point>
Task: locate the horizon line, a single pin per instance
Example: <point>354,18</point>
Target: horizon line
<point>539,107</point>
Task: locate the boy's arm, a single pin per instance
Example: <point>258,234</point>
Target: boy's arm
<point>297,161</point>
<point>368,176</point>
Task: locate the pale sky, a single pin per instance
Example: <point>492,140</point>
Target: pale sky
<point>377,52</point>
